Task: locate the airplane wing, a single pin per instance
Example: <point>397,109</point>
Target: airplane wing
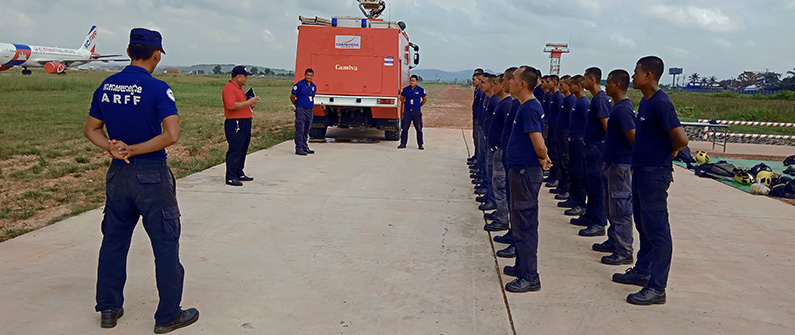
<point>80,62</point>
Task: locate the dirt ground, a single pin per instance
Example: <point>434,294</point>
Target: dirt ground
<point>451,108</point>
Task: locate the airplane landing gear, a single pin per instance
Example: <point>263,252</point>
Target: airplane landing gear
<point>26,72</point>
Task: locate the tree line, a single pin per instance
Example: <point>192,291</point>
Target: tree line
<point>767,80</point>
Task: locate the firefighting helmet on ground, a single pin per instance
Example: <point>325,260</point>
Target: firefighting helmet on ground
<point>765,178</point>
<point>742,176</point>
<point>702,157</point>
<point>759,189</point>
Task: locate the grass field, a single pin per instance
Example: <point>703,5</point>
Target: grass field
<point>49,171</point>
<point>693,106</point>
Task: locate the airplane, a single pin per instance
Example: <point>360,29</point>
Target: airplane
<point>53,60</point>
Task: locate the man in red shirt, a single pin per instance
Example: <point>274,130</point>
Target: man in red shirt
<point>238,111</point>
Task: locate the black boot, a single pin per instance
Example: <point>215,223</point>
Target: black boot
<point>631,277</point>
<point>647,296</point>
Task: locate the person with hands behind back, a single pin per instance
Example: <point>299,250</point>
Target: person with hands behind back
<point>133,106</point>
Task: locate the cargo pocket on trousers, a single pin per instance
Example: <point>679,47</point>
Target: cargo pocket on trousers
<point>623,203</point>
<point>149,178</point>
<point>171,226</point>
<point>527,213</point>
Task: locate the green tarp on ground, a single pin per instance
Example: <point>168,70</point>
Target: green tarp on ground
<point>776,166</point>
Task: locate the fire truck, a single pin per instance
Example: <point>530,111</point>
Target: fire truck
<point>360,66</point>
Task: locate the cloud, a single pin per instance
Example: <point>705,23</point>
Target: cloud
<point>689,16</point>
<point>722,42</point>
<point>679,52</point>
<point>791,4</point>
<point>623,40</point>
<point>267,36</point>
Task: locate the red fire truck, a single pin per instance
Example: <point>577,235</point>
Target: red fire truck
<point>360,65</point>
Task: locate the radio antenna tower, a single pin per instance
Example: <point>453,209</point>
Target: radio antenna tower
<point>556,51</point>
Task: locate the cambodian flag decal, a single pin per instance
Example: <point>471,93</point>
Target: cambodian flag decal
<point>388,61</point>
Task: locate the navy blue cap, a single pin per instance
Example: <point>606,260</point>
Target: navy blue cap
<point>146,37</point>
<point>240,69</point>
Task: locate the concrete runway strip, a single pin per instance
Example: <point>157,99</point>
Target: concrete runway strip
<point>362,238</point>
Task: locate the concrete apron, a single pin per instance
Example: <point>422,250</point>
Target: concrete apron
<point>355,239</point>
<point>367,239</point>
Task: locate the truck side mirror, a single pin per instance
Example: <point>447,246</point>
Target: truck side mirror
<point>416,59</point>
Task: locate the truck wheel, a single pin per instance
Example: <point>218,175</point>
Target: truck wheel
<point>391,135</point>
<point>317,133</point>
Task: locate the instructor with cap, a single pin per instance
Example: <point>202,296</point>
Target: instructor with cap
<point>238,111</point>
<point>303,98</point>
<point>133,106</point>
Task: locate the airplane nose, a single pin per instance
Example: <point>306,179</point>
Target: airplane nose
<point>6,53</point>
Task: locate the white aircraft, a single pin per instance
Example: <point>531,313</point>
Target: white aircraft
<point>53,60</point>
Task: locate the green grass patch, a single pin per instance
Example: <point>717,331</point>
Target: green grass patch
<point>43,116</point>
<point>735,107</point>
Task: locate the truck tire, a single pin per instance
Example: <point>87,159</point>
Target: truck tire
<point>391,135</point>
<point>317,133</point>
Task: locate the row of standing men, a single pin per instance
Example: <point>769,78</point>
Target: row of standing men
<point>602,160</point>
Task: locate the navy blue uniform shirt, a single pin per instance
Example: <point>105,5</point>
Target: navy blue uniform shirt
<point>656,117</point>
<point>555,103</point>
<point>475,104</point>
<point>305,93</point>
<point>545,104</point>
<point>600,109</point>
<point>618,150</point>
<point>491,105</point>
<point>538,92</point>
<point>578,117</point>
<point>498,121</point>
<point>565,113</point>
<point>413,96</point>
<point>529,119</point>
<point>481,102</point>
<point>506,129</point>
<point>133,105</point>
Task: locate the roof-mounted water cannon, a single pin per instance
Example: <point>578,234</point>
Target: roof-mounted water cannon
<point>372,9</point>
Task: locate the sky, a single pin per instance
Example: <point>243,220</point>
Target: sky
<point>719,38</point>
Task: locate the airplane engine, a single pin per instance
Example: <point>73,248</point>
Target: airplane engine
<point>54,67</point>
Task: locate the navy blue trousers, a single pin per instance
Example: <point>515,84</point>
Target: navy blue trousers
<point>525,184</point>
<point>554,154</point>
<point>564,160</point>
<point>411,116</point>
<point>303,121</point>
<point>577,171</point>
<point>594,160</point>
<point>650,209</point>
<point>238,135</point>
<point>143,188</point>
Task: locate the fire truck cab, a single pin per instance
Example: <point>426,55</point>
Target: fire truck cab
<point>360,66</point>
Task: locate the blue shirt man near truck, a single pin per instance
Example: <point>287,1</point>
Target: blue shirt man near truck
<point>659,137</point>
<point>303,98</point>
<point>526,158</point>
<point>617,172</point>
<point>413,98</point>
<point>593,153</point>
<point>133,106</point>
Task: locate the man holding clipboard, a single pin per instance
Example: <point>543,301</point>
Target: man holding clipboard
<point>238,110</point>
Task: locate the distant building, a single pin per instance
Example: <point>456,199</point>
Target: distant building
<point>172,71</point>
<point>199,71</point>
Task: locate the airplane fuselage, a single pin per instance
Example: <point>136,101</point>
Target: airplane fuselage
<point>37,56</point>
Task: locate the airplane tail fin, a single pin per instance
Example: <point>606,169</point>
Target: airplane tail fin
<point>88,44</point>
